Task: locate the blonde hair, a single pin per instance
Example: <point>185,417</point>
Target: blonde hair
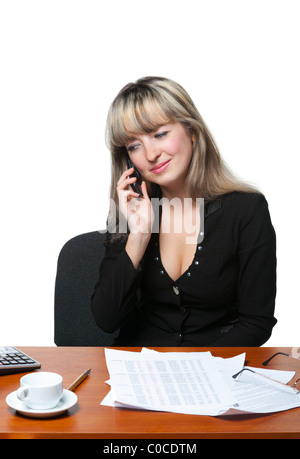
<point>144,106</point>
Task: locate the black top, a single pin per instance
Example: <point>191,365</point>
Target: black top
<point>225,298</point>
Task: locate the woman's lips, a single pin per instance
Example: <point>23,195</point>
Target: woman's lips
<point>160,167</point>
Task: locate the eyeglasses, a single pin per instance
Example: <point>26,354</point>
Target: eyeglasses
<point>248,369</point>
<point>265,363</point>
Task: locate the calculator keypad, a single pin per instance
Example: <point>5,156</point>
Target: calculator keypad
<point>12,360</point>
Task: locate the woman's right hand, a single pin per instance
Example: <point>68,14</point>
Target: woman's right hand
<point>137,212</point>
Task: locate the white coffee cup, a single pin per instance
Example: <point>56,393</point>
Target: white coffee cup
<point>41,390</point>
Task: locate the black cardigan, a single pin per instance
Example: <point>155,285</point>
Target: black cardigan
<point>225,298</point>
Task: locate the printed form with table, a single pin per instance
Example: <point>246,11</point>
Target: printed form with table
<point>195,383</point>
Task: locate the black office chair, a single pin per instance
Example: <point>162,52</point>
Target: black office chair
<point>76,277</point>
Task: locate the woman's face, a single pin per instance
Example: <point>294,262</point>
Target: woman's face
<point>163,156</point>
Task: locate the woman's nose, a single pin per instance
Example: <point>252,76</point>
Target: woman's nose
<point>152,152</point>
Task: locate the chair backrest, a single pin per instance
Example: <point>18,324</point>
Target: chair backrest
<point>77,274</point>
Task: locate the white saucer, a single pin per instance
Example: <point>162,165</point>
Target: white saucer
<point>68,400</point>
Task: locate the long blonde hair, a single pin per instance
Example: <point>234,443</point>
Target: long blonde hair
<point>144,106</point>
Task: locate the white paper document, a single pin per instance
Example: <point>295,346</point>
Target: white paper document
<point>193,383</point>
<point>259,394</point>
<point>177,382</point>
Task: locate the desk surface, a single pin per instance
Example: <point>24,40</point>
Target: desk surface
<point>90,420</point>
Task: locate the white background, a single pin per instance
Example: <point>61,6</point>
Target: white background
<point>62,63</point>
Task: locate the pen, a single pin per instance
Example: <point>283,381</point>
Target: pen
<point>79,380</point>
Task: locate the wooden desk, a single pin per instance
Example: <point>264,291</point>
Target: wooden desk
<point>90,420</point>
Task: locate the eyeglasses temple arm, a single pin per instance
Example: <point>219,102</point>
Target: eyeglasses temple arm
<point>244,369</point>
<point>277,353</point>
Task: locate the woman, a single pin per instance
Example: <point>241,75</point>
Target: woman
<point>210,281</point>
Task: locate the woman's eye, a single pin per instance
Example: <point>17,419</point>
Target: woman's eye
<point>132,147</point>
<point>159,135</point>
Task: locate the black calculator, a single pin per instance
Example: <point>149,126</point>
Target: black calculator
<point>12,360</point>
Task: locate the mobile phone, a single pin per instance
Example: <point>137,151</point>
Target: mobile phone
<point>136,186</point>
